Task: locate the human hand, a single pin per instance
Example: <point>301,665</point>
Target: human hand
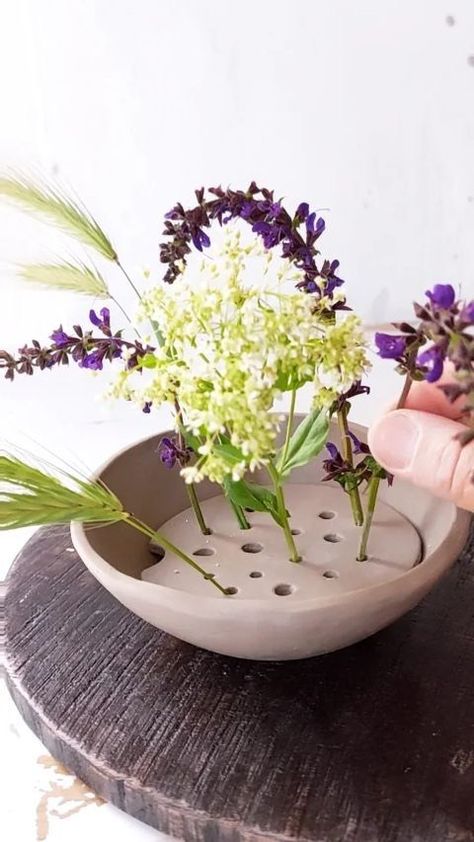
<point>419,443</point>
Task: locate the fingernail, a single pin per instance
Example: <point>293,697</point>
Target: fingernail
<point>394,439</point>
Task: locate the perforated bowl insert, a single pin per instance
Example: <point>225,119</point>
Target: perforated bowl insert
<point>327,540</point>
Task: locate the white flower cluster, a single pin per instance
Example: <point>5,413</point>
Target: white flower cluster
<point>230,348</point>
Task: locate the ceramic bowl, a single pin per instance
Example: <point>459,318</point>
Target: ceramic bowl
<point>330,600</point>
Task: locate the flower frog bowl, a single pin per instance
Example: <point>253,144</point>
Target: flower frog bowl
<point>275,609</point>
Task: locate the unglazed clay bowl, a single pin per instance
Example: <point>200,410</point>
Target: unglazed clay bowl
<point>279,610</point>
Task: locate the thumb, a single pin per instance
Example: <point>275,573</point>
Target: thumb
<point>423,448</point>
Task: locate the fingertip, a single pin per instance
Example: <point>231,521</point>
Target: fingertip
<point>425,449</point>
<point>393,438</point>
<point>429,397</point>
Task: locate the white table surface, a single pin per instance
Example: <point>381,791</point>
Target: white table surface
<point>39,800</point>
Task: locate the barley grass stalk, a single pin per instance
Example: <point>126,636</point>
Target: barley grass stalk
<point>75,276</point>
<point>33,497</point>
<point>52,204</point>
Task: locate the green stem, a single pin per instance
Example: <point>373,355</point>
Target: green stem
<point>374,483</point>
<point>123,311</point>
<point>128,278</point>
<point>411,360</point>
<point>153,326</point>
<point>240,515</point>
<point>406,388</point>
<point>288,427</point>
<point>281,506</point>
<point>346,445</point>
<point>193,499</point>
<point>118,304</point>
<point>371,501</point>
<point>157,536</point>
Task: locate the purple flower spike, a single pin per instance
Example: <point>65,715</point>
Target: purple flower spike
<point>319,229</point>
<point>102,321</point>
<point>200,239</point>
<point>433,360</point>
<point>310,220</point>
<point>88,351</point>
<point>390,347</point>
<point>442,296</point>
<point>359,446</point>
<point>94,361</point>
<point>168,452</point>
<point>332,450</point>
<point>314,227</point>
<point>302,210</point>
<point>467,314</point>
<point>271,233</point>
<point>335,467</point>
<point>60,338</point>
<point>267,217</point>
<point>328,272</point>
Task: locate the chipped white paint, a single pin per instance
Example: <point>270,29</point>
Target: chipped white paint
<point>41,802</point>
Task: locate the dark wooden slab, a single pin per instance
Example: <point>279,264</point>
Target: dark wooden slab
<point>371,744</point>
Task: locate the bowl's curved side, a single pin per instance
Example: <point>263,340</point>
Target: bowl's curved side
<point>253,628</point>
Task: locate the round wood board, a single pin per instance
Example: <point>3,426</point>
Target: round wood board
<point>374,743</point>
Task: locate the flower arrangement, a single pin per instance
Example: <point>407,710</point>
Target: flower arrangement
<point>220,339</point>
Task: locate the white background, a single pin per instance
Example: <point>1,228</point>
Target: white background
<point>364,108</point>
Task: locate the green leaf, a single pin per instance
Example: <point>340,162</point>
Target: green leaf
<point>45,200</point>
<point>306,442</point>
<point>252,496</point>
<point>288,382</point>
<point>233,455</point>
<point>158,334</point>
<point>374,467</point>
<point>191,440</point>
<point>148,361</point>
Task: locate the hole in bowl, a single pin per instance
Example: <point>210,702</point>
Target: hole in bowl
<point>177,571</point>
<point>296,531</point>
<point>157,551</point>
<point>332,538</point>
<point>231,591</point>
<point>331,574</point>
<point>256,574</point>
<point>204,551</point>
<point>248,509</point>
<point>283,589</point>
<point>252,547</point>
<point>327,515</point>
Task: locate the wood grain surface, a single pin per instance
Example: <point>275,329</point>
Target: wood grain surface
<point>374,743</point>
